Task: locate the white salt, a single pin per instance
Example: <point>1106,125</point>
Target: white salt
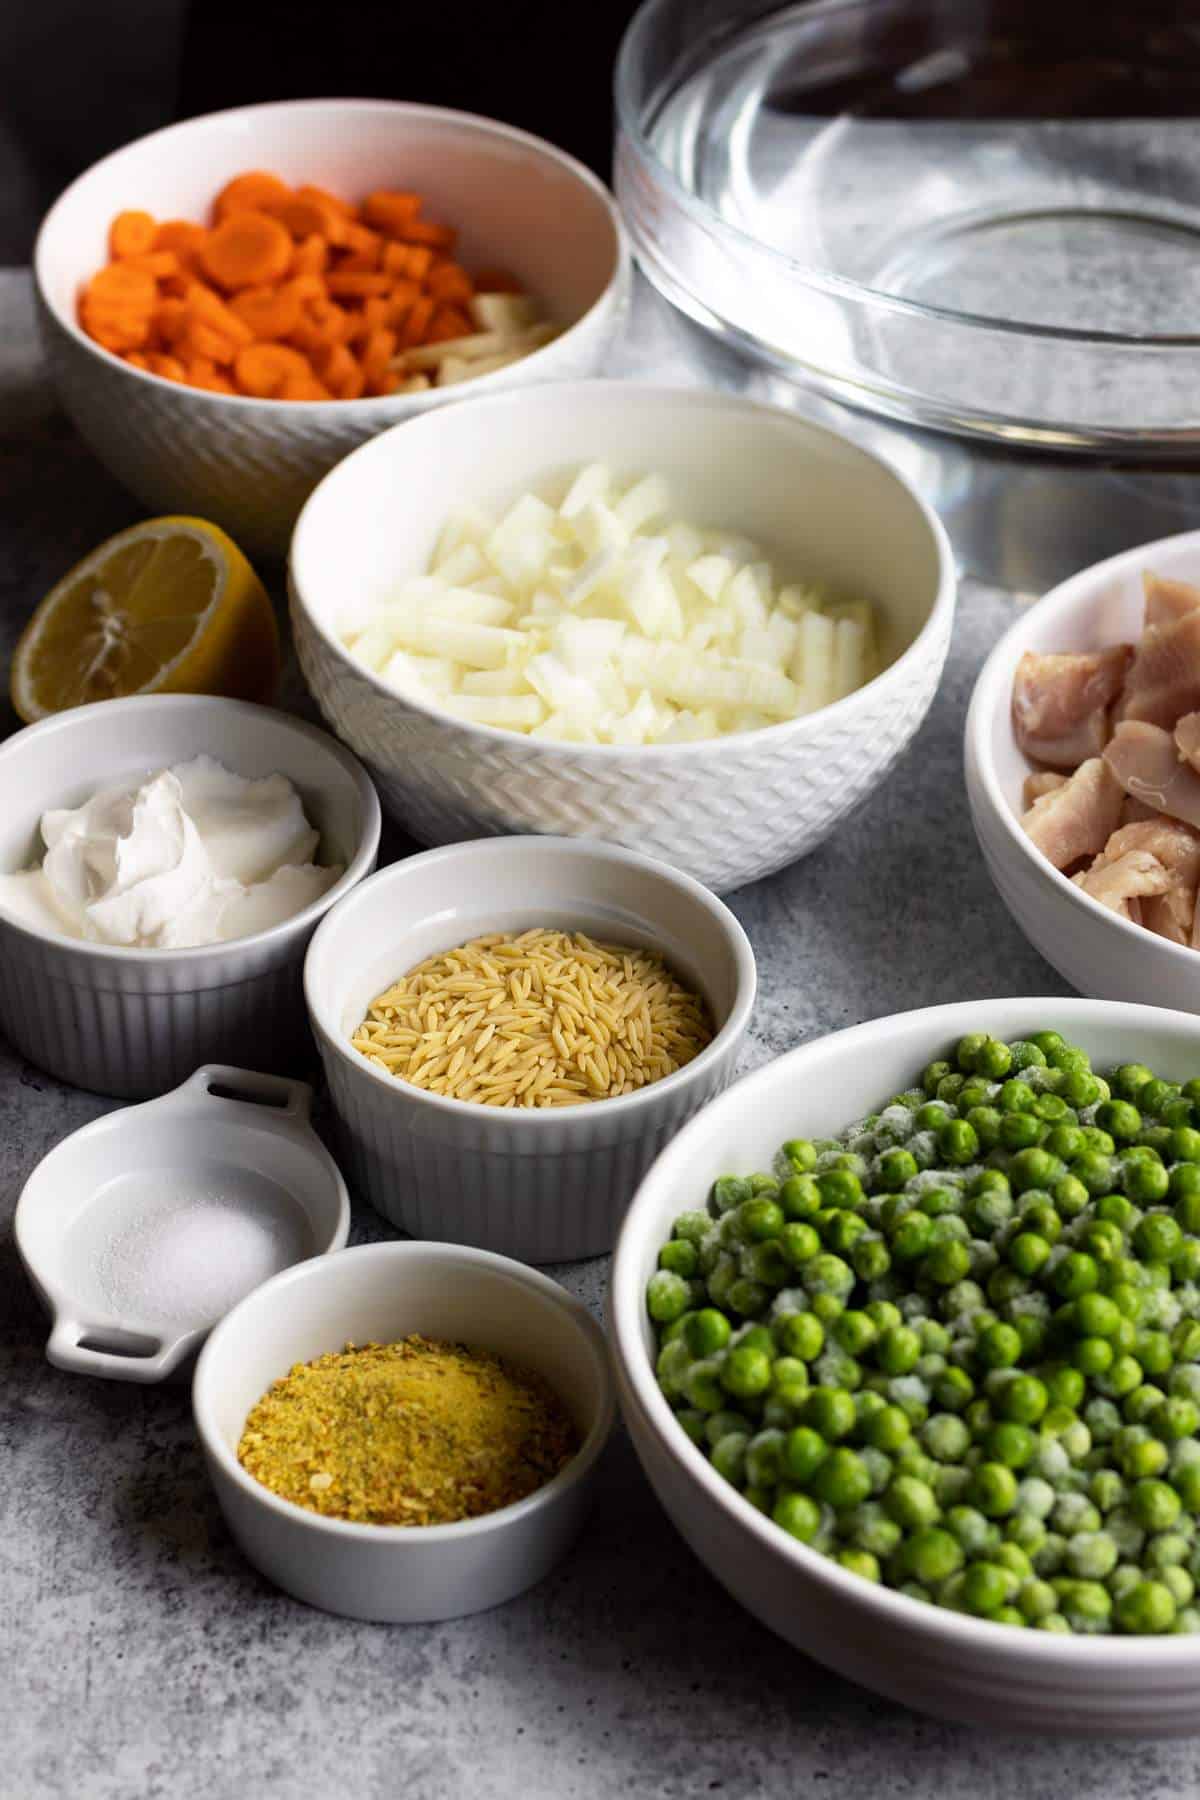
<point>177,1249</point>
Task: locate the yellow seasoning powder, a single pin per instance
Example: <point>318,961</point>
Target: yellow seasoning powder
<point>414,1433</point>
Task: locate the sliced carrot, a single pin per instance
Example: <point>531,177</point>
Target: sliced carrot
<point>209,306</point>
<point>304,218</point>
<point>390,211</point>
<point>404,294</point>
<point>293,293</point>
<point>359,261</point>
<point>311,255</point>
<point>450,283</point>
<point>256,191</point>
<point>159,263</point>
<point>448,322</point>
<point>131,234</point>
<point>268,312</point>
<point>201,372</point>
<point>356,285</point>
<point>303,387</point>
<point>374,315</point>
<point>377,353</point>
<point>419,262</point>
<point>169,319</point>
<point>201,339</point>
<point>247,249</point>
<point>308,286</point>
<point>116,333</point>
<point>182,237</point>
<point>497,281</point>
<point>361,238</point>
<point>420,316</point>
<point>322,323</point>
<point>322,195</point>
<point>120,285</point>
<point>262,369</point>
<point>169,367</point>
<point>436,237</point>
<point>341,372</point>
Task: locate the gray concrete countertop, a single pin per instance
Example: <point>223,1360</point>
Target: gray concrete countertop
<point>140,1656</point>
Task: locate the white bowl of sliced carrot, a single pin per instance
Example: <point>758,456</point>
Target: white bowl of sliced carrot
<point>233,303</point>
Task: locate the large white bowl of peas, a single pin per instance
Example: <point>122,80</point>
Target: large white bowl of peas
<point>907,1331</point>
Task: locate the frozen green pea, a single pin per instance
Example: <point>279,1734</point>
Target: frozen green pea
<point>729,1457</point>
<point>1146,1609</point>
<point>799,1515</point>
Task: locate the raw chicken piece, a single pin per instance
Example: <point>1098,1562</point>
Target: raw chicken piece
<point>1177,848</point>
<point>1078,818</point>
<point>1167,601</point>
<point>1187,738</point>
<point>1060,703</point>
<point>1145,760</point>
<point>1163,682</point>
<point>1042,781</point>
<point>1119,883</point>
<point>1134,811</point>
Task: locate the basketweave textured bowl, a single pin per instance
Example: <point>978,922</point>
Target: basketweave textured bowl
<point>1102,955</point>
<point>518,203</point>
<point>543,1185</point>
<point>726,811</point>
<point>137,1022</point>
<point>1003,1676</point>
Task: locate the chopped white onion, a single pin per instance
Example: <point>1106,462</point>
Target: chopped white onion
<point>600,619</point>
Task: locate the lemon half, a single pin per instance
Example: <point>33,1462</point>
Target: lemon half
<point>170,606</point>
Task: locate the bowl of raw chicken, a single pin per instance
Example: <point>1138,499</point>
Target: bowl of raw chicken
<point>1083,774</point>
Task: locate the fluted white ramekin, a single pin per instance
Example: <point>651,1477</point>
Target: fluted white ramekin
<point>382,1292</point>
<point>542,1185</point>
<point>135,1023</point>
<point>727,810</point>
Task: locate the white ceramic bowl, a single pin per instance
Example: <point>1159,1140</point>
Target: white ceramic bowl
<point>136,1022</point>
<point>246,1136</point>
<point>381,1293</point>
<point>545,1185</point>
<point>1097,952</point>
<point>518,202</point>
<point>938,1661</point>
<point>728,810</point>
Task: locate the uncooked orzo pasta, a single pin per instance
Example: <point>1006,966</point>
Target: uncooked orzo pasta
<point>546,1018</point>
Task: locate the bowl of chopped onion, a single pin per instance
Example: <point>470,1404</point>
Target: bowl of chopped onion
<point>673,619</point>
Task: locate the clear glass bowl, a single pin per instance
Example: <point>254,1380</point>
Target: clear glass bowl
<point>973,216</point>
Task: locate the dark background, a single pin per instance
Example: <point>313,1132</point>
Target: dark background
<point>78,78</point>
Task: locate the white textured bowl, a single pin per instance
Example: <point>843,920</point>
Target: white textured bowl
<point>518,203</point>
<point>925,1656</point>
<point>382,1292</point>
<point>545,1185</point>
<point>1097,952</point>
<point>137,1022</point>
<point>728,810</point>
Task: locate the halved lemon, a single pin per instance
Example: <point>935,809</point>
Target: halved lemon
<point>170,606</point>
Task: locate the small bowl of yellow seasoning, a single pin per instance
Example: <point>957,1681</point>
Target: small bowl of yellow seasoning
<point>513,1028</point>
<point>405,1431</point>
